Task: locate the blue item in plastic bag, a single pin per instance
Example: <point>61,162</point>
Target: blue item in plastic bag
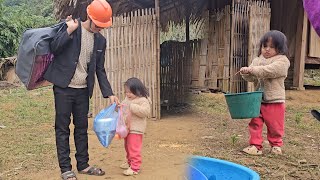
<point>105,124</point>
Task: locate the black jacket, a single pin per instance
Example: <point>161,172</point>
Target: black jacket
<point>66,51</point>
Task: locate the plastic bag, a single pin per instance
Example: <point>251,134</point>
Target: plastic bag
<point>105,124</point>
<point>123,122</point>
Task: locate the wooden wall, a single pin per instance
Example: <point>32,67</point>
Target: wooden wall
<point>284,15</point>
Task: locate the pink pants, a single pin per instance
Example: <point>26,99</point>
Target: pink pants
<point>273,115</point>
<point>133,146</point>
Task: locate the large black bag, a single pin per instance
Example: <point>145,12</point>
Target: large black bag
<point>34,55</point>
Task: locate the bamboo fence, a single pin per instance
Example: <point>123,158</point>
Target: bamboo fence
<point>131,51</point>
<point>250,20</point>
<point>218,70</point>
<point>239,45</point>
<point>176,70</point>
<point>259,24</point>
<point>233,41</point>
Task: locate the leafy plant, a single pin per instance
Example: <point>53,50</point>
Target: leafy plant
<point>17,16</point>
<point>298,117</point>
<point>234,139</point>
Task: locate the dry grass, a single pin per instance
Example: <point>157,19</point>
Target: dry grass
<point>301,142</point>
<point>28,143</point>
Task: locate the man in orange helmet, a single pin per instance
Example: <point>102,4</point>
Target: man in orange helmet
<point>79,54</point>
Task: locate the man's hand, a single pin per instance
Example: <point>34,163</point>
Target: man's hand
<point>72,24</point>
<point>246,70</point>
<point>114,99</point>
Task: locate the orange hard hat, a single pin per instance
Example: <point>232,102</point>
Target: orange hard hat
<point>100,13</point>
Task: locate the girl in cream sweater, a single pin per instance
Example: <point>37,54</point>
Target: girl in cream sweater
<point>138,103</point>
<point>268,72</point>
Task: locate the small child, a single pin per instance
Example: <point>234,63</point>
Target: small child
<point>268,72</point>
<point>137,99</point>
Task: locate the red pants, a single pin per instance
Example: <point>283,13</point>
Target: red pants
<point>273,115</point>
<point>133,146</point>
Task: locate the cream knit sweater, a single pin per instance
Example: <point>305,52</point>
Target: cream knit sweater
<point>79,79</point>
<point>140,109</point>
<point>269,74</point>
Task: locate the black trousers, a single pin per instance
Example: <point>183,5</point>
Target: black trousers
<point>76,102</point>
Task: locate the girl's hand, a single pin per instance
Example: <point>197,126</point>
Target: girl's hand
<point>246,70</point>
<point>120,105</point>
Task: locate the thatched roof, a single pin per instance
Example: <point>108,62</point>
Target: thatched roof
<point>170,10</point>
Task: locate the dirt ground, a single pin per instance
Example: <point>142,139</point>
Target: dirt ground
<point>205,130</point>
<point>167,144</point>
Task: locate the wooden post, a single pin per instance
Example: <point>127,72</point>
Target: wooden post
<point>187,14</point>
<point>158,105</point>
<point>185,85</point>
<point>301,46</point>
<point>212,50</point>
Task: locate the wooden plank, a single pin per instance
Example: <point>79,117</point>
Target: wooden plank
<point>112,47</point>
<point>314,44</point>
<point>236,52</point>
<point>196,67</point>
<point>240,47</point>
<point>259,24</point>
<point>227,49</point>
<point>107,62</point>
<point>113,55</point>
<point>118,56</point>
<point>110,58</point>
<point>212,54</point>
<point>203,62</point>
<point>145,50</point>
<point>220,50</point>
<point>131,49</point>
<point>140,46</point>
<point>310,60</point>
<point>232,46</point>
<point>124,53</point>
<point>301,45</point>
<point>150,50</point>
<point>134,41</point>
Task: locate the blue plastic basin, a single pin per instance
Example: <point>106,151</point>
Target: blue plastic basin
<point>204,168</point>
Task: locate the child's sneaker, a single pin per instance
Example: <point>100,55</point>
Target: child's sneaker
<point>125,165</point>
<point>252,150</point>
<point>130,172</point>
<point>276,150</point>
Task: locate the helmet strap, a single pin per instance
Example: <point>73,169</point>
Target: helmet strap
<point>91,25</point>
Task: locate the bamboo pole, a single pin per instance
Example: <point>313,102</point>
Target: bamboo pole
<point>157,9</point>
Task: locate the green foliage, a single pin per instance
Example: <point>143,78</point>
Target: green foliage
<point>298,117</point>
<point>234,139</point>
<point>18,15</point>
